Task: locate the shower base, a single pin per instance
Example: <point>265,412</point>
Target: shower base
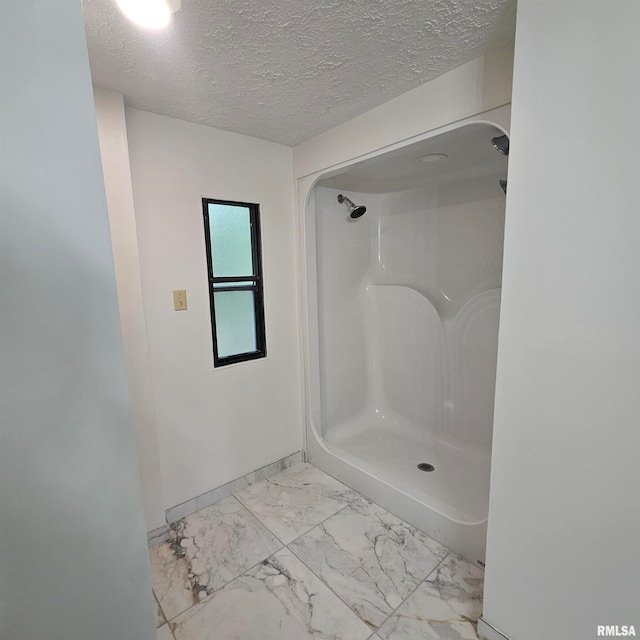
<point>458,487</point>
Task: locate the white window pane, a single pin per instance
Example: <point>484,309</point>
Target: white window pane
<point>235,322</point>
<point>230,232</point>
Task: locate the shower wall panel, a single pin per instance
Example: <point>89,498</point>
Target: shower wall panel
<point>473,352</point>
<point>345,250</point>
<point>441,249</point>
<point>408,317</point>
<point>406,342</point>
<point>445,241</point>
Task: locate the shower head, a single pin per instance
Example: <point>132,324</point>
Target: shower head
<point>355,210</point>
<point>501,144</point>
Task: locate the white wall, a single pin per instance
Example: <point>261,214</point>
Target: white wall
<point>114,149</point>
<point>473,88</point>
<point>564,520</point>
<point>74,562</point>
<point>213,424</point>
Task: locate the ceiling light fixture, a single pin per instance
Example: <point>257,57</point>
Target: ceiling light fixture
<point>432,157</point>
<point>150,14</point>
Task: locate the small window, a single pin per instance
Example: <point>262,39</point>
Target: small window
<point>234,263</point>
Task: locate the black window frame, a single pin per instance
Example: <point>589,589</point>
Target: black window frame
<point>229,282</point>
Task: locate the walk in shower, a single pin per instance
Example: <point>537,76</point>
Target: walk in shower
<point>403,311</point>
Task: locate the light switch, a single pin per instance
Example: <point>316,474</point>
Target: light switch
<point>180,299</point>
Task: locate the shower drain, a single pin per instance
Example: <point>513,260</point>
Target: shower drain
<point>425,466</point>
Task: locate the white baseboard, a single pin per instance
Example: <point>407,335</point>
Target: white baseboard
<point>489,632</point>
<point>215,495</point>
<point>158,535</point>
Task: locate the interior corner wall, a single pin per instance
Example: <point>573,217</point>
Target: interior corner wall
<point>213,424</point>
<point>74,561</point>
<point>112,133</point>
<point>476,87</point>
<point>563,553</point>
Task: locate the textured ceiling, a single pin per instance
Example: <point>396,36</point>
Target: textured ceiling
<point>286,70</point>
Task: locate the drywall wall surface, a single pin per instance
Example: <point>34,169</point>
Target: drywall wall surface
<point>214,425</point>
<point>473,88</point>
<point>73,558</point>
<point>114,150</point>
<point>563,553</point>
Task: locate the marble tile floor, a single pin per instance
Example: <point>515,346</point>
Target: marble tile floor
<point>300,555</point>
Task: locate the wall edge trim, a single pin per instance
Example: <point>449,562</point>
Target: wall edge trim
<point>489,632</point>
<point>158,535</point>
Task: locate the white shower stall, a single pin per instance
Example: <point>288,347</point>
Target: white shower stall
<point>402,315</point>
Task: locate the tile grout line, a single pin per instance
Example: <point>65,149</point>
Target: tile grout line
<point>173,635</point>
<point>376,629</point>
<point>251,568</point>
<point>235,577</point>
<point>257,564</point>
<point>360,496</point>
<point>330,589</point>
<point>213,593</point>
<point>340,510</point>
<point>349,503</point>
<point>262,524</point>
<point>164,617</point>
<point>284,546</point>
<point>155,599</point>
<point>449,552</point>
